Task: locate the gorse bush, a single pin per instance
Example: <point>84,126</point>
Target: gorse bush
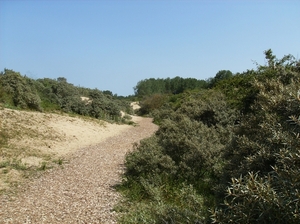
<point>269,198</point>
<point>239,90</point>
<point>263,160</point>
<point>156,196</point>
<point>235,147</point>
<point>185,151</point>
<point>167,205</point>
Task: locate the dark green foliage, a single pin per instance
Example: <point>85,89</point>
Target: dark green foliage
<point>239,90</point>
<point>152,186</point>
<point>194,135</point>
<point>220,76</point>
<point>18,91</point>
<point>166,204</point>
<point>269,127</point>
<point>175,85</point>
<point>255,199</point>
<point>270,198</point>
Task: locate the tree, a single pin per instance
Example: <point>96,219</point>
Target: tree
<point>61,79</point>
<point>221,75</point>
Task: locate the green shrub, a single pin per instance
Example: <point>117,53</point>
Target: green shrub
<point>239,90</point>
<point>148,161</point>
<point>168,205</point>
<point>151,103</point>
<point>272,198</point>
<point>263,159</point>
<point>19,91</point>
<point>184,152</point>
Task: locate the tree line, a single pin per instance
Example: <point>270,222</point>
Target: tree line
<point>177,84</point>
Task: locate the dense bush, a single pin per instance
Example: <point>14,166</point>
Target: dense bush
<point>184,152</point>
<point>156,196</point>
<point>263,160</point>
<point>236,147</point>
<point>239,90</point>
<point>17,91</point>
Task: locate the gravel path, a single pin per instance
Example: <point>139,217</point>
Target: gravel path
<point>82,191</point>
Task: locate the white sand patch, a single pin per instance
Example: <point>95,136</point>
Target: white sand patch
<point>86,99</point>
<point>32,161</point>
<point>79,133</point>
<point>135,105</point>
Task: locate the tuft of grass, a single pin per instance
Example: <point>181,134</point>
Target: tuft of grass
<point>18,165</point>
<point>59,161</point>
<point>43,166</point>
<point>14,164</point>
<point>5,171</point>
<point>4,164</point>
<point>10,106</point>
<point>3,138</point>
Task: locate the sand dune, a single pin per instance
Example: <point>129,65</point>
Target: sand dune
<point>35,138</point>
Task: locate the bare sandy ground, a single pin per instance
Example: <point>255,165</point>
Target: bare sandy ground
<point>36,138</point>
<point>54,133</point>
<point>135,105</point>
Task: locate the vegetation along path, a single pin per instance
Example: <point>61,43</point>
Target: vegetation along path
<point>80,192</point>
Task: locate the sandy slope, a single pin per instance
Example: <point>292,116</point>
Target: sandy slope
<point>36,138</point>
<point>54,133</point>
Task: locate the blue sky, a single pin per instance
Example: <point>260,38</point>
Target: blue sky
<point>111,45</point>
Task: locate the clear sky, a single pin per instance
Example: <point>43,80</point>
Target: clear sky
<point>111,45</point>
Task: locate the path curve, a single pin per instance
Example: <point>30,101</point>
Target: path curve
<point>81,191</point>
